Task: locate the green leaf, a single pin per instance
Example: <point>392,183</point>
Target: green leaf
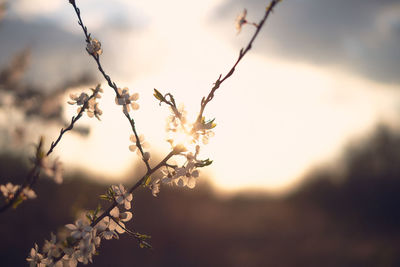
<point>147,181</point>
<point>158,95</point>
<point>98,209</point>
<point>143,236</point>
<point>144,244</point>
<point>210,124</point>
<point>203,163</point>
<point>17,202</point>
<point>105,197</point>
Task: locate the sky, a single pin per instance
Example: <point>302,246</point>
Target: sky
<point>321,74</point>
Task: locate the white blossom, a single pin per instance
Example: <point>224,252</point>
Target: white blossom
<point>81,229</point>
<point>117,219</point>
<point>142,142</point>
<point>102,225</point>
<point>178,117</point>
<point>191,173</point>
<point>28,193</point>
<point>127,100</point>
<point>67,261</point>
<point>206,137</point>
<point>122,197</point>
<point>85,252</point>
<point>155,187</point>
<point>241,20</point>
<point>9,190</point>
<point>52,250</point>
<point>94,238</point>
<point>185,175</point>
<point>105,232</point>
<point>35,259</point>
<point>167,176</point>
<point>78,100</point>
<point>53,169</point>
<point>202,130</point>
<point>88,241</point>
<point>94,47</point>
<point>109,234</point>
<point>93,109</point>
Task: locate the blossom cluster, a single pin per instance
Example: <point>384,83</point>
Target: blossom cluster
<point>188,136</point>
<point>241,20</point>
<point>176,119</point>
<point>80,246</point>
<point>94,47</point>
<point>185,175</point>
<point>126,100</point>
<point>181,131</point>
<point>143,144</point>
<point>52,169</point>
<point>92,106</point>
<point>9,190</point>
<point>84,239</point>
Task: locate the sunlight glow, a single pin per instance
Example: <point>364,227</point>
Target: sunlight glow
<point>276,119</point>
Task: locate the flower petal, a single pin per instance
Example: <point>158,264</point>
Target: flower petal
<point>135,106</point>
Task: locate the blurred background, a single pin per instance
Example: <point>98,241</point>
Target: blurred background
<point>307,146</point>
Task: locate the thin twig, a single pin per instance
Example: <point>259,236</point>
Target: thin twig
<point>204,102</point>
<point>33,175</point>
<point>110,83</point>
<point>135,186</point>
<point>242,53</point>
<point>71,125</point>
<point>135,235</point>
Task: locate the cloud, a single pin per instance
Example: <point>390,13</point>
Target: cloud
<point>362,36</point>
<point>49,66</point>
<point>27,8</point>
<point>97,15</point>
<point>58,53</point>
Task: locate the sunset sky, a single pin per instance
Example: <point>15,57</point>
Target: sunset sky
<point>322,73</point>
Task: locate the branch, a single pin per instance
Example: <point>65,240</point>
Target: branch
<point>242,53</point>
<point>33,175</point>
<point>110,83</point>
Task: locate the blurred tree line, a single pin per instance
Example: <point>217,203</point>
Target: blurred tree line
<point>335,218</point>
